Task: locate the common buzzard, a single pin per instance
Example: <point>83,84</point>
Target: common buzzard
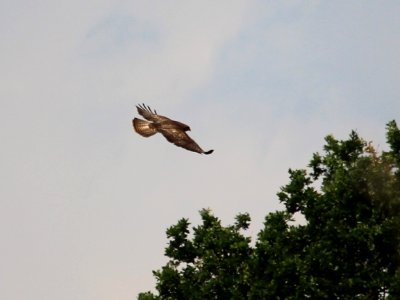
<point>173,131</point>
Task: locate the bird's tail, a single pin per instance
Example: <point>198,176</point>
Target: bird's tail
<point>144,128</point>
<point>208,152</point>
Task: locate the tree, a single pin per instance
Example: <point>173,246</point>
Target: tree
<point>349,247</point>
<point>211,264</point>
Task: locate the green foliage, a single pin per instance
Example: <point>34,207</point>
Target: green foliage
<point>349,247</point>
<point>212,264</point>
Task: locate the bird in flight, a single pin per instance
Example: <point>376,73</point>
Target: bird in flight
<point>173,131</point>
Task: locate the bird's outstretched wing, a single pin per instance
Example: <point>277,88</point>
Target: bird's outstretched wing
<point>150,115</point>
<point>181,139</point>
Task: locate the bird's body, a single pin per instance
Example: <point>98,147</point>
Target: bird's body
<point>173,131</point>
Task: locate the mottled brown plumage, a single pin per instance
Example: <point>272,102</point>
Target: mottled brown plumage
<point>173,131</point>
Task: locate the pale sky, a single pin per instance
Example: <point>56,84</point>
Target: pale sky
<point>85,201</point>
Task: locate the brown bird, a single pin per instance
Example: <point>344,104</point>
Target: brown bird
<point>173,131</point>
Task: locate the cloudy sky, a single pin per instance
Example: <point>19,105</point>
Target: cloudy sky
<point>85,202</point>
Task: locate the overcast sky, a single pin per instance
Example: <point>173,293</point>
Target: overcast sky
<point>85,201</point>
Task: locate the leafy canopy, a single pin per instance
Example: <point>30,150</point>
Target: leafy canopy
<point>348,248</point>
